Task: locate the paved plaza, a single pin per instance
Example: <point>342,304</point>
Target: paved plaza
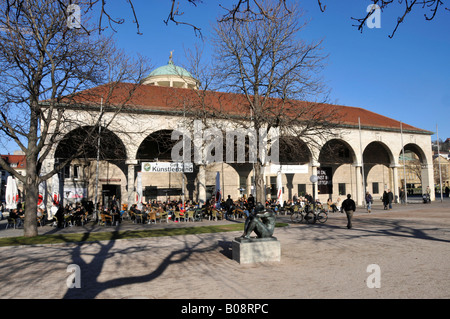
<point>409,246</point>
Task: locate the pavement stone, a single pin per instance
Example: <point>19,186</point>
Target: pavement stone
<point>409,246</point>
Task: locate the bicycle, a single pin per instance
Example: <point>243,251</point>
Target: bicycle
<point>318,214</point>
<point>298,214</point>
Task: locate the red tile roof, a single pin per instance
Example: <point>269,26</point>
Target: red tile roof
<point>18,160</point>
<point>158,98</point>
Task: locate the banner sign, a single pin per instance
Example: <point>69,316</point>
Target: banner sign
<point>288,169</point>
<point>167,167</point>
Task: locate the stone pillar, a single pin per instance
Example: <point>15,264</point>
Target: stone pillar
<point>130,182</point>
<point>428,180</point>
<point>358,198</point>
<point>395,191</point>
<point>315,187</point>
<point>201,184</point>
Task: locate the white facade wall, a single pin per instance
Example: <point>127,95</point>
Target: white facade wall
<point>132,128</point>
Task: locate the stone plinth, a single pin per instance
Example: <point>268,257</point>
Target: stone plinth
<point>254,250</point>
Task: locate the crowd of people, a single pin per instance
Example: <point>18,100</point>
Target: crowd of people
<point>57,215</point>
<point>77,213</point>
<point>171,208</point>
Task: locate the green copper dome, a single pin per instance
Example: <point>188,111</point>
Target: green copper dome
<point>170,69</point>
<point>171,75</point>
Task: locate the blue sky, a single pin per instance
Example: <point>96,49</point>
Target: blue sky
<point>406,78</point>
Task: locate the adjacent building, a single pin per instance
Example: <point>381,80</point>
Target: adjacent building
<point>16,161</point>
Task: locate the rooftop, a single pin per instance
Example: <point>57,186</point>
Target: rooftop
<point>16,161</point>
<point>171,99</point>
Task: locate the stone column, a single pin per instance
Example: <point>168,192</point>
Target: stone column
<point>395,183</point>
<point>359,191</point>
<point>130,182</point>
<point>315,187</point>
<point>428,180</point>
<point>201,184</point>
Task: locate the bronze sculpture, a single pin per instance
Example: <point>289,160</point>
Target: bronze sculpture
<point>261,221</point>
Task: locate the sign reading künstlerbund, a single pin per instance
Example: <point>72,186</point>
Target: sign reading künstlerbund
<point>167,167</point>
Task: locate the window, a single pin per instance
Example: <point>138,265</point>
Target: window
<point>66,171</point>
<point>301,189</point>
<point>242,183</point>
<point>76,171</point>
<point>375,189</point>
<point>342,189</point>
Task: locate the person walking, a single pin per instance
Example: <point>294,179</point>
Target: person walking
<point>390,198</point>
<point>349,207</point>
<point>369,202</point>
<point>402,196</point>
<point>229,206</point>
<point>385,199</point>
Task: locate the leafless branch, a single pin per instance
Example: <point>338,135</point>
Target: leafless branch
<point>432,7</point>
<point>175,12</point>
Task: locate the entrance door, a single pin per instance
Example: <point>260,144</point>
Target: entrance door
<point>109,192</point>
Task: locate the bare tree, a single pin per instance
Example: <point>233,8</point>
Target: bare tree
<point>43,64</point>
<point>267,73</point>
<point>414,166</point>
<point>234,9</point>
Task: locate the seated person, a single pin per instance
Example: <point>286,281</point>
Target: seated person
<point>115,214</point>
<point>261,221</point>
<point>339,204</point>
<point>332,205</point>
<point>13,215</point>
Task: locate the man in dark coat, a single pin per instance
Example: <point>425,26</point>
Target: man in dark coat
<point>60,216</point>
<point>385,200</point>
<point>229,206</point>
<point>251,203</point>
<point>402,196</point>
<point>349,207</point>
<point>390,199</point>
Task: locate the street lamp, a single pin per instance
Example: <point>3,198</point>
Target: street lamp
<point>314,180</point>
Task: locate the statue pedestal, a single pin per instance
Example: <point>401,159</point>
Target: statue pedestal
<point>254,250</point>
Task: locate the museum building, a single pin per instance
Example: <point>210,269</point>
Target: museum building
<point>135,163</point>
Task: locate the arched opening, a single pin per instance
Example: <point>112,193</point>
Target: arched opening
<point>293,150</point>
<point>77,181</point>
<point>411,173</point>
<point>379,177</point>
<point>169,183</point>
<point>157,146</point>
<point>336,176</point>
<point>228,178</point>
<point>294,158</point>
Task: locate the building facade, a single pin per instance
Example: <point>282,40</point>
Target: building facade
<point>368,154</point>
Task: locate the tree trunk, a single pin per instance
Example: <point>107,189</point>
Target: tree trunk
<point>30,223</point>
<point>31,191</point>
<point>259,184</point>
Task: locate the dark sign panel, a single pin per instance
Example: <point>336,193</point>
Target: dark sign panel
<point>325,180</point>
